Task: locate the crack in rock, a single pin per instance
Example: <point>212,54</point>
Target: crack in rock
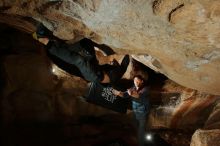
<point>174,10</point>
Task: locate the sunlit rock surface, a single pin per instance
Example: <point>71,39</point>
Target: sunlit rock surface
<point>182,35</point>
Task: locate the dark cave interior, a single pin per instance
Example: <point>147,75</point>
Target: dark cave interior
<point>89,130</point>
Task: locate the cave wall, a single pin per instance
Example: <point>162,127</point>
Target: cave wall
<point>185,108</point>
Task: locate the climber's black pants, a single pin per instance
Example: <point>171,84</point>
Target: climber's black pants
<point>87,63</point>
<point>71,53</point>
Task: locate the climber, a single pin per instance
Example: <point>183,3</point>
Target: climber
<point>82,55</point>
<point>140,104</point>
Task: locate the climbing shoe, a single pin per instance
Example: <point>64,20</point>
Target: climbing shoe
<point>42,32</point>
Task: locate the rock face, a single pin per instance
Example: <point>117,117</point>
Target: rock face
<point>184,108</point>
<point>181,36</point>
<point>213,121</point>
<point>206,138</point>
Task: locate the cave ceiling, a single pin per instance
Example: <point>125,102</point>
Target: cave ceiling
<point>178,38</point>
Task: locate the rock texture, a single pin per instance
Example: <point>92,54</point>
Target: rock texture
<point>213,121</point>
<point>184,108</point>
<point>182,36</point>
<point>206,138</point>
